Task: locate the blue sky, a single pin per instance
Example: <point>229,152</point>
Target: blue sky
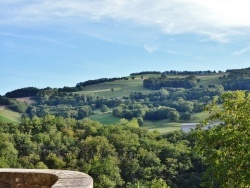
<point>62,42</point>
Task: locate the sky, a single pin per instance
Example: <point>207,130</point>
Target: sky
<point>56,43</point>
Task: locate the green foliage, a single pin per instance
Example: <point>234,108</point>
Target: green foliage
<point>237,84</point>
<point>23,92</point>
<point>104,108</point>
<point>54,161</point>
<point>173,115</point>
<point>239,73</point>
<point>186,116</point>
<point>118,155</point>
<point>4,100</point>
<point>158,83</point>
<point>225,147</point>
<point>8,153</point>
<point>17,106</point>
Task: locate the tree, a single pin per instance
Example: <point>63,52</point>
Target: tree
<point>173,115</point>
<point>55,162</point>
<point>104,108</point>
<point>117,111</point>
<point>99,159</point>
<point>140,121</point>
<point>226,147</point>
<point>159,183</point>
<point>8,153</point>
<point>186,116</point>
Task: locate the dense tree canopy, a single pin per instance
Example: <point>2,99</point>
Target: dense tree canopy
<point>158,83</point>
<point>23,92</point>
<point>226,147</point>
<point>119,155</point>
<point>237,84</point>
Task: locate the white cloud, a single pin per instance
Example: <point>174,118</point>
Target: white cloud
<point>216,19</point>
<point>149,49</point>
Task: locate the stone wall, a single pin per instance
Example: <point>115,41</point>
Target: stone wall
<point>34,178</point>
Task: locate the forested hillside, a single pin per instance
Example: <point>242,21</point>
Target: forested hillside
<point>147,96</point>
<point>56,130</point>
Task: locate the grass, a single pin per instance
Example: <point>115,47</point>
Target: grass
<point>105,118</point>
<point>211,79</point>
<point>9,116</point>
<point>163,126</point>
<point>198,117</point>
<point>121,88</point>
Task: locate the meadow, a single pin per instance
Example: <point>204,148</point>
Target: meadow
<point>9,116</point>
<point>162,126</point>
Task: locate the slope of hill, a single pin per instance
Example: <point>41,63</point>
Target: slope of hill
<point>9,116</point>
<point>118,91</point>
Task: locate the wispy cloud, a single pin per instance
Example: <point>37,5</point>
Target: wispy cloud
<point>31,37</point>
<point>221,18</point>
<point>150,49</point>
<point>241,52</point>
<point>184,54</point>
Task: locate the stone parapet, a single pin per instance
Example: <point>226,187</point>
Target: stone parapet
<point>39,178</point>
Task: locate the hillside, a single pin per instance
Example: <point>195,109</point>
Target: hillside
<point>9,116</point>
<point>121,148</point>
<point>117,90</point>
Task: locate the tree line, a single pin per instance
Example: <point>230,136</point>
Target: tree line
<point>158,83</point>
<point>98,81</point>
<point>145,72</point>
<point>238,73</point>
<point>175,72</point>
<point>23,92</point>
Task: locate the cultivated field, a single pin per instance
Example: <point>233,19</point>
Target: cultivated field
<point>9,116</point>
<point>26,99</point>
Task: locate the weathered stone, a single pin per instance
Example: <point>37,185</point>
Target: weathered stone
<point>35,178</point>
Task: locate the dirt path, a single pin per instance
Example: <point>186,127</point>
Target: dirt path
<point>25,99</point>
<point>2,108</point>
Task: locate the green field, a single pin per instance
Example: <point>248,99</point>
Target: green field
<point>9,116</point>
<point>163,126</point>
<point>105,118</point>
<point>211,79</point>
<point>121,88</point>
